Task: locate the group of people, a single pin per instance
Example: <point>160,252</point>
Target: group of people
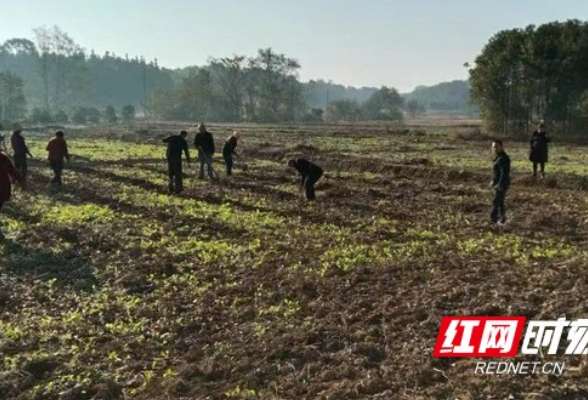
<point>309,172</point>
<point>177,145</point>
<point>57,155</point>
<point>204,144</point>
<point>18,171</point>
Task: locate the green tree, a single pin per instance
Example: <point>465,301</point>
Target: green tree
<point>128,114</point>
<point>385,104</point>
<point>83,115</point>
<point>110,115</point>
<point>445,96</point>
<point>162,104</point>
<point>79,116</point>
<point>40,115</point>
<point>271,86</point>
<point>414,108</point>
<point>92,115</point>
<point>99,80</point>
<point>293,103</point>
<point>12,98</point>
<point>343,110</point>
<point>61,116</point>
<point>18,46</point>
<point>536,73</point>
<point>194,97</point>
<point>314,115</point>
<point>229,78</point>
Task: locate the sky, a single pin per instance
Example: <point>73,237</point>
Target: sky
<point>398,43</point>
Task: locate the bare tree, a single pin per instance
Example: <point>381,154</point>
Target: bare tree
<point>230,80</point>
<point>61,67</point>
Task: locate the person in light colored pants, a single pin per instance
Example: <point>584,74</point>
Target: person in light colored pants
<point>206,159</point>
<point>204,142</point>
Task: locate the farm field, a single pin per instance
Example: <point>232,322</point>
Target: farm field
<point>111,289</point>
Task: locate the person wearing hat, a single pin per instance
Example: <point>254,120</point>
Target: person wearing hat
<point>57,148</point>
<point>309,172</point>
<point>21,151</point>
<point>204,142</point>
<point>229,151</point>
<point>176,144</point>
<point>539,153</point>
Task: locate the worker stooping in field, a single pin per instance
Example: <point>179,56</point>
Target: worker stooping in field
<point>204,142</point>
<point>229,151</point>
<point>309,175</point>
<point>57,154</point>
<point>176,144</point>
<point>21,151</point>
<point>8,175</point>
<point>539,153</point>
<point>500,182</point>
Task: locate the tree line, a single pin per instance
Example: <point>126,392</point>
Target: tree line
<point>539,73</point>
<point>51,78</point>
<point>265,88</point>
<point>451,96</point>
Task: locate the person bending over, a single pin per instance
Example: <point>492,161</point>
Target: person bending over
<point>310,173</point>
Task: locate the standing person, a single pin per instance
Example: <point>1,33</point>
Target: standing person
<point>500,182</point>
<point>176,144</point>
<point>20,149</point>
<point>8,174</point>
<point>204,142</point>
<point>539,149</point>
<point>58,153</point>
<point>229,151</point>
<point>309,175</point>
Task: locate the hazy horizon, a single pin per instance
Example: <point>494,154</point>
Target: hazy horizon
<point>401,44</point>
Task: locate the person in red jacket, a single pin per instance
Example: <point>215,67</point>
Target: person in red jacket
<point>57,148</point>
<point>8,174</point>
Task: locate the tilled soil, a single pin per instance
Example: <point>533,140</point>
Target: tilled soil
<point>341,299</point>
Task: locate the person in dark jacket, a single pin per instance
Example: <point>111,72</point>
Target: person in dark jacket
<point>539,149</point>
<point>20,149</point>
<point>500,182</point>
<point>229,151</point>
<point>8,174</point>
<point>309,175</point>
<point>176,144</point>
<point>204,142</point>
<point>57,154</point>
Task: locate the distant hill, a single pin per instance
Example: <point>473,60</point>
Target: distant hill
<point>446,96</point>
